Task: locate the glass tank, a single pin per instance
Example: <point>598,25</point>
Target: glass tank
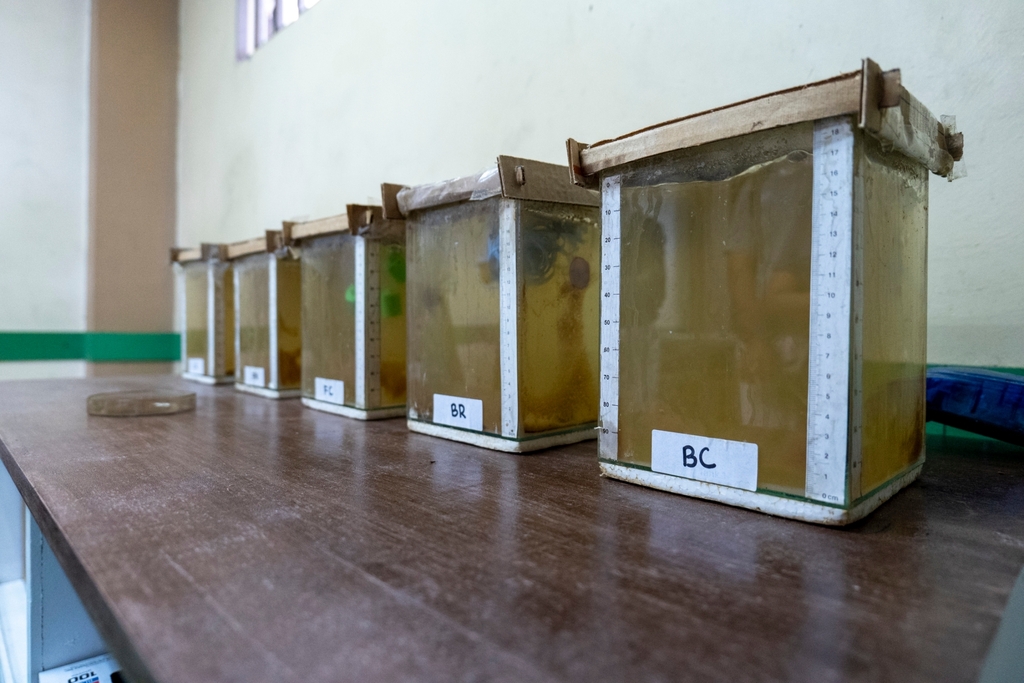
<point>504,298</point>
<point>715,305</point>
<point>764,301</point>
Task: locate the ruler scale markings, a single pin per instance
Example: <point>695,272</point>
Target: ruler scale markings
<point>508,294</point>
<point>829,354</point>
<point>608,436</point>
<point>367,319</point>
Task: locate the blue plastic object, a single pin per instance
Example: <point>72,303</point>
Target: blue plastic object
<point>980,401</point>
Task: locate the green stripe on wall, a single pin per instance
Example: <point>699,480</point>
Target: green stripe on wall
<point>96,347</point>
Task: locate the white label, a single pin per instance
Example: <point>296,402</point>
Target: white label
<point>196,366</point>
<point>329,390</point>
<point>95,670</point>
<point>254,376</point>
<point>466,413</point>
<point>829,357</point>
<point>715,461</point>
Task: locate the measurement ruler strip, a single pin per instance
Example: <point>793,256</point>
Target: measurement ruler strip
<point>367,312</point>
<point>829,354</point>
<point>509,287</point>
<point>611,233</point>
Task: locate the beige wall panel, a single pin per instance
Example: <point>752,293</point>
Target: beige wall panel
<point>133,121</point>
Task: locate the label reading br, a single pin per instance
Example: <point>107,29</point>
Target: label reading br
<point>196,366</point>
<point>329,390</point>
<point>715,461</point>
<point>466,413</point>
<point>254,376</point>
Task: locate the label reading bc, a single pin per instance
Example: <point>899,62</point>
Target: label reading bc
<point>714,461</point>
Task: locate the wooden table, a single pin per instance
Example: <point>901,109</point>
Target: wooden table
<point>255,540</point>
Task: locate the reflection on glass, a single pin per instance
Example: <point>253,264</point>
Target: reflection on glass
<point>196,318</point>
<point>454,308</point>
<point>895,312</point>
<point>328,311</point>
<point>227,331</point>
<point>715,298</point>
<point>289,323</point>
<point>253,274</point>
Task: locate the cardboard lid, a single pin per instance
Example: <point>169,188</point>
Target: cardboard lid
<point>883,106</point>
<point>511,177</point>
<point>204,252</point>
<point>247,247</point>
<point>357,219</point>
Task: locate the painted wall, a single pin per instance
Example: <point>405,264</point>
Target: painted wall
<point>360,92</point>
<point>44,85</point>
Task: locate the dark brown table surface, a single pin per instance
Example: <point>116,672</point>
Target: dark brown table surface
<point>255,540</point>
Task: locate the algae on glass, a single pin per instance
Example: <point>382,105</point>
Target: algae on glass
<point>392,320</point>
<point>559,254</point>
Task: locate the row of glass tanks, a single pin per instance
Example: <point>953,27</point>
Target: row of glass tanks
<point>739,315</point>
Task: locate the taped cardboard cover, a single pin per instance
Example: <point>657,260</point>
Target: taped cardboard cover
<point>186,254</point>
<point>541,182</point>
<point>294,232</point>
<point>204,252</point>
<point>885,109</point>
<point>890,113</point>
<point>247,247</point>
<point>476,187</point>
<point>389,200</point>
<point>512,177</point>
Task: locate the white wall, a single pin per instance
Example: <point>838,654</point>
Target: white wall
<point>44,81</point>
<point>359,92</point>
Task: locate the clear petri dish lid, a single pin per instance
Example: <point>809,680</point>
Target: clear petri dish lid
<point>141,402</point>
